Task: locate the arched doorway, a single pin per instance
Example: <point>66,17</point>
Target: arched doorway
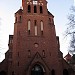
<point>2,73</point>
<point>65,72</point>
<point>37,70</point>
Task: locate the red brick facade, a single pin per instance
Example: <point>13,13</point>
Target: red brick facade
<point>34,48</point>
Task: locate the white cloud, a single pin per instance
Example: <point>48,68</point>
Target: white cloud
<point>74,2</point>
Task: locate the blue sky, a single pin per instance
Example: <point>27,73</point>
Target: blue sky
<point>59,8</point>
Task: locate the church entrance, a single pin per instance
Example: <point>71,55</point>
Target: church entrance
<point>37,70</point>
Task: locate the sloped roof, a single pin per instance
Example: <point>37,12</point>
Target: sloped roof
<point>19,11</point>
<point>68,57</point>
<point>50,13</point>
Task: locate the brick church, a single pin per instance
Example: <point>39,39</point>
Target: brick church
<point>34,48</point>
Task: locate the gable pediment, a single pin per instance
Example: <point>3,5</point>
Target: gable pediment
<point>37,59</point>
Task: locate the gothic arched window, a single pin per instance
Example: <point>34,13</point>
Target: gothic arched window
<point>42,27</point>
<point>29,26</point>
<point>16,19</point>
<point>35,9</point>
<point>41,10</point>
<point>35,24</point>
<point>36,30</point>
<point>20,19</point>
<point>29,8</point>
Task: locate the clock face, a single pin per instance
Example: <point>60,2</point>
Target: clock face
<point>35,2</point>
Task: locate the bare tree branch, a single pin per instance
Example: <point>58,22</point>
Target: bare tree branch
<point>71,30</point>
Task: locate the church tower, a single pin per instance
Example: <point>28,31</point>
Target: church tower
<point>35,45</point>
<point>34,48</point>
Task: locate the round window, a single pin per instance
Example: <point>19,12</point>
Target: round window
<point>36,44</point>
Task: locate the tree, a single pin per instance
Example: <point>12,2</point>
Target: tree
<point>72,44</point>
<point>70,31</point>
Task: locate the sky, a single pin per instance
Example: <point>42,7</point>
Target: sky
<point>59,8</point>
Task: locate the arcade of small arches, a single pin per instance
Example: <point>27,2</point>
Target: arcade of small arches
<point>35,9</point>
